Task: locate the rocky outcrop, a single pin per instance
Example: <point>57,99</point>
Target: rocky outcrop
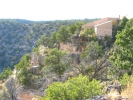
<point>35,70</point>
<point>77,44</point>
<point>114,86</point>
<point>99,98</point>
<point>68,47</point>
<point>115,96</point>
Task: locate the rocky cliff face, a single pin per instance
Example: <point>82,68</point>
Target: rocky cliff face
<point>75,48</point>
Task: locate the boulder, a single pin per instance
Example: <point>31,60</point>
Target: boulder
<point>99,98</point>
<point>115,96</point>
<point>115,86</point>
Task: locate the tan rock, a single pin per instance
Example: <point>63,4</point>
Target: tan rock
<point>115,96</point>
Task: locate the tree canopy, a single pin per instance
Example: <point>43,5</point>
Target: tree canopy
<point>88,31</point>
<point>122,24</point>
<point>123,51</point>
<point>63,34</point>
<point>54,61</point>
<point>5,73</point>
<point>78,88</point>
<point>22,70</point>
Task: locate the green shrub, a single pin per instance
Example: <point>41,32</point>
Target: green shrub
<point>1,96</point>
<point>77,88</point>
<point>23,75</point>
<point>35,50</point>
<point>126,79</point>
<point>4,95</point>
<point>5,73</point>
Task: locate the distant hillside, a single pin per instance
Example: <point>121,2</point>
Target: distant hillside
<point>18,36</point>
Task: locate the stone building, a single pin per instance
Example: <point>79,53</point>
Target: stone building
<point>103,27</point>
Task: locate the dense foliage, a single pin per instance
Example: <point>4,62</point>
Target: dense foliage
<point>63,34</point>
<point>123,53</point>
<point>55,62</point>
<point>77,88</point>
<point>22,70</point>
<point>16,39</point>
<point>92,51</point>
<point>5,73</point>
<point>126,79</point>
<point>122,24</point>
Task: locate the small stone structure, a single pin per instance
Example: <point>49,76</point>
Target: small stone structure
<point>34,60</point>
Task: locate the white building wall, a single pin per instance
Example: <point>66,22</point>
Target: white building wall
<point>104,29</point>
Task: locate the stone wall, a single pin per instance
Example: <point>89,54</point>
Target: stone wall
<point>41,59</point>
<point>34,59</point>
<point>104,31</point>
